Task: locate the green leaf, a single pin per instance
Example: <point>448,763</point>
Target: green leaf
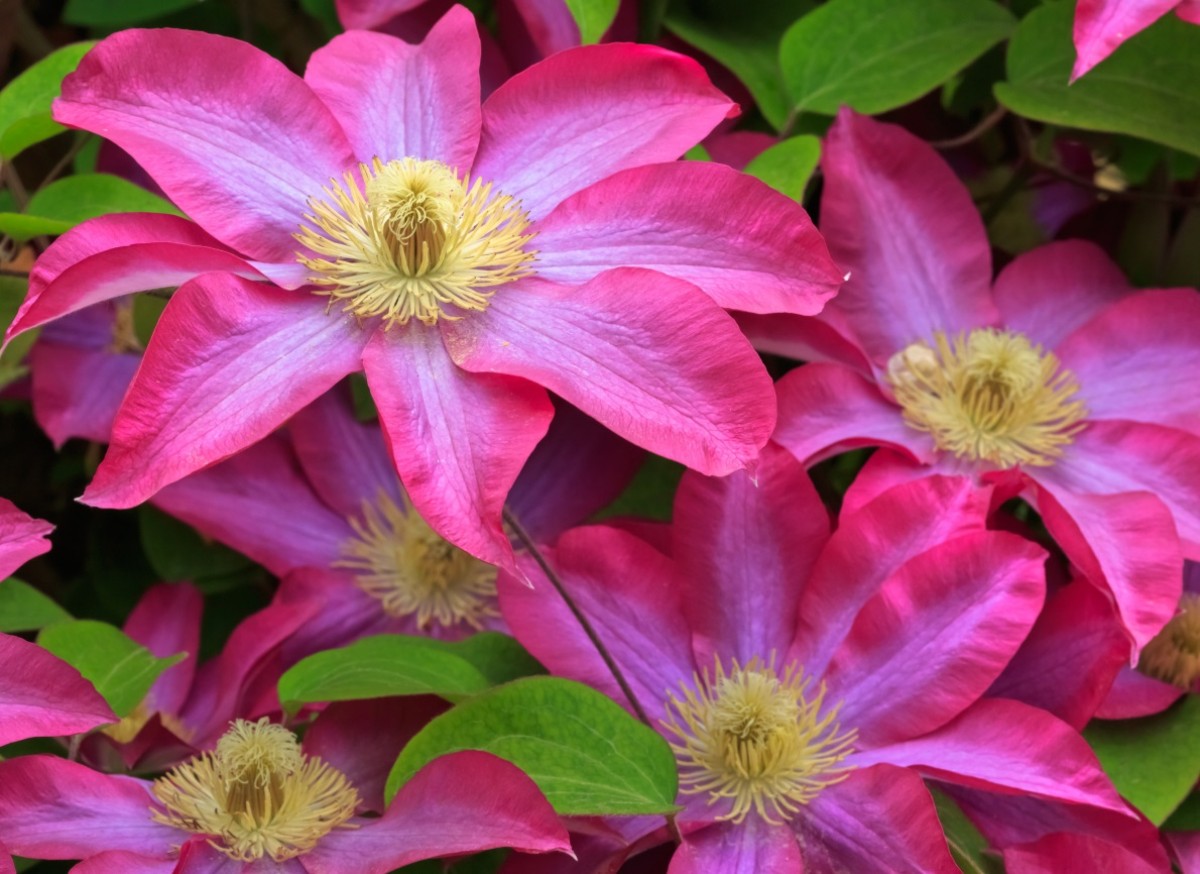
<point>651,492</point>
<point>497,656</point>
<point>110,15</point>
<point>744,36</point>
<point>178,552</point>
<point>22,227</point>
<point>12,294</point>
<point>1186,817</point>
<point>24,608</point>
<point>65,203</point>
<point>25,101</point>
<point>587,755</point>
<point>875,55</point>
<point>1146,88</point>
<point>969,848</point>
<point>1152,761</point>
<point>121,669</point>
<point>593,17</point>
<point>787,166</point>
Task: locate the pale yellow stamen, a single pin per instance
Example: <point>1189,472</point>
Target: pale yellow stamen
<point>758,739</point>
<point>131,725</point>
<point>409,239</point>
<point>989,395</point>
<point>256,795</point>
<point>1173,656</point>
<point>413,571</point>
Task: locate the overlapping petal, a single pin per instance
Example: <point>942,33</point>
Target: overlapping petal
<point>1102,25</point>
<point>21,537</point>
<point>43,696</point>
<point>753,847</point>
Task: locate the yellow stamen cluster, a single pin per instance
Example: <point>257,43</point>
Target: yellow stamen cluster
<point>1173,656</point>
<point>412,570</point>
<point>409,239</point>
<point>989,395</point>
<point>758,739</point>
<point>256,795</point>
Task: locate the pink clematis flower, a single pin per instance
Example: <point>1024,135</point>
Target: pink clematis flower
<point>21,538</point>
<point>260,802</point>
<point>1060,384</point>
<point>1102,25</point>
<point>460,255</point>
<point>807,681</point>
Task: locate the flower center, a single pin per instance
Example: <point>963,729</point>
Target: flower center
<point>989,395</point>
<point>256,795</point>
<point>758,739</point>
<point>1173,656</point>
<point>410,239</point>
<point>411,569</point>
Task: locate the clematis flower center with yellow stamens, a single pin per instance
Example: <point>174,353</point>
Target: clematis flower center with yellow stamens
<point>256,795</point>
<point>409,239</point>
<point>988,395</point>
<point>1173,655</point>
<point>414,571</point>
<point>757,738</point>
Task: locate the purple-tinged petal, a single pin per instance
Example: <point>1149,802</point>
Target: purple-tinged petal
<point>744,548</point>
<point>198,856</point>
<point>6,862</point>
<point>370,14</point>
<point>804,338</point>
<point>747,246</point>
<point>583,114</point>
<point>1185,846</point>
<point>54,809</point>
<point>750,847</point>
<point>1133,694</point>
<point>1050,291</point>
<point>42,696</point>
<point>458,439</point>
<point>936,635</point>
<point>877,813</point>
<point>21,537</point>
<point>886,470</point>
<point>442,811</point>
<point>825,409</point>
<point>397,100</point>
<point>549,26</point>
<point>899,220</point>
<point>1061,852</point>
<point>344,612</point>
<point>259,503</point>
<point>648,356</point>
<point>1006,746</point>
<point>1102,25</point>
<point>229,361</point>
<point>237,140</point>
<point>123,862</point>
<point>166,621</point>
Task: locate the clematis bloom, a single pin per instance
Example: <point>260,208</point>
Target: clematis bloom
<point>462,256</point>
<point>1102,25</point>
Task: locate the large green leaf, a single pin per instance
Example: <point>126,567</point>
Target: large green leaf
<point>25,101</point>
<point>787,166</point>
<point>593,17</point>
<point>587,755</point>
<point>65,203</point>
<point>121,669</point>
<point>24,608</point>
<point>875,55</point>
<point>1153,761</point>
<point>1148,87</point>
<point>110,14</point>
<point>12,294</point>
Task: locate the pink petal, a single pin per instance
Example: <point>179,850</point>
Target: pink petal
<point>238,141</point>
<point>54,809</point>
<point>370,14</point>
<point>1102,25</point>
<point>648,356</point>
<point>229,361</point>
<point>21,538</point>
<point>6,863</point>
<point>1061,852</point>
<point>638,616</point>
<point>751,847</point>
<point>166,621</point>
<point>1006,746</point>
<point>899,220</point>
<point>123,862</point>
<point>1185,846</point>
<point>937,634</point>
<point>1050,291</point>
<point>744,548</point>
<point>583,114</point>
<point>749,247</point>
<point>1135,360</point>
<point>343,612</point>
<point>1133,694</point>
<point>1189,11</point>
<point>458,439</point>
<point>42,696</point>
<point>805,339</point>
<point>549,23</point>
<point>442,811</point>
<point>825,409</point>
<point>397,100</point>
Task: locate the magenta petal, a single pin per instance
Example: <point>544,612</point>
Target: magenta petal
<point>802,338</point>
<point>749,247</point>
<point>585,113</point>
<point>936,635</point>
<point>648,356</point>
<point>54,809</point>
<point>229,361</point>
<point>166,621</point>
<point>370,14</point>
<point>744,547</point>
<point>122,862</point>
<point>238,141</point>
<point>1061,852</point>
<point>21,537</point>
<point>6,862</point>
<point>397,100</point>
<point>899,220</point>
<point>458,439</point>
<point>1102,25</point>
<point>461,803</point>
<point>1185,846</point>
<point>42,696</point>
<point>1133,694</point>
<point>751,847</point>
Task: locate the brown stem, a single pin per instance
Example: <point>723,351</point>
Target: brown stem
<point>989,121</point>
